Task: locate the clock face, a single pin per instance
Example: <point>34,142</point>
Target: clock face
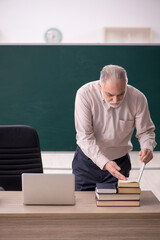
<point>53,35</point>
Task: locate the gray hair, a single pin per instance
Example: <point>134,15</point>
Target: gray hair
<point>114,73</point>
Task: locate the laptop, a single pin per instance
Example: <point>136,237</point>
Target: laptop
<point>48,189</point>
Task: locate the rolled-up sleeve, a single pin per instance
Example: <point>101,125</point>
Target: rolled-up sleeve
<point>85,134</point>
<point>144,125</point>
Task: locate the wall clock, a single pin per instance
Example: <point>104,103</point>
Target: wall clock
<point>53,35</point>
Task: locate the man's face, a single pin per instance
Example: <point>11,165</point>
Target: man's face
<point>114,92</point>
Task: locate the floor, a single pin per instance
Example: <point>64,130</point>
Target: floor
<point>61,162</point>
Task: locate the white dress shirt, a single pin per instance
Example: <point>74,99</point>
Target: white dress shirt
<point>103,132</point>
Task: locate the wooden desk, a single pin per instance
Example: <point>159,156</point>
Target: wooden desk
<point>83,221</point>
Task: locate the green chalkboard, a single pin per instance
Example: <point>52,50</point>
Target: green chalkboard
<point>38,84</point>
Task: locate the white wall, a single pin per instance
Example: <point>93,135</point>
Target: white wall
<point>81,21</point>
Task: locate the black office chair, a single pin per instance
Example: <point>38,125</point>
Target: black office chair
<point>19,153</point>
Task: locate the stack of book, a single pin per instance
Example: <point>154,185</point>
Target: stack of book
<point>131,189</point>
<point>125,194</point>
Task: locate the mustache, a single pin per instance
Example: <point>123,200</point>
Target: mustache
<point>115,103</point>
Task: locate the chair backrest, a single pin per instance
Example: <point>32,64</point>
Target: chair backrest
<point>19,153</point>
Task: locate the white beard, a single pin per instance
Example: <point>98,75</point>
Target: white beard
<point>113,105</point>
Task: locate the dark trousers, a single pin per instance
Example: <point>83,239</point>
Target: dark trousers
<point>87,173</point>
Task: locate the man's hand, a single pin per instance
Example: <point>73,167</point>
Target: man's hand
<point>145,155</point>
<point>114,169</point>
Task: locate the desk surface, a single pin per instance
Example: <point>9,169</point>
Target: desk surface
<point>11,204</point>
